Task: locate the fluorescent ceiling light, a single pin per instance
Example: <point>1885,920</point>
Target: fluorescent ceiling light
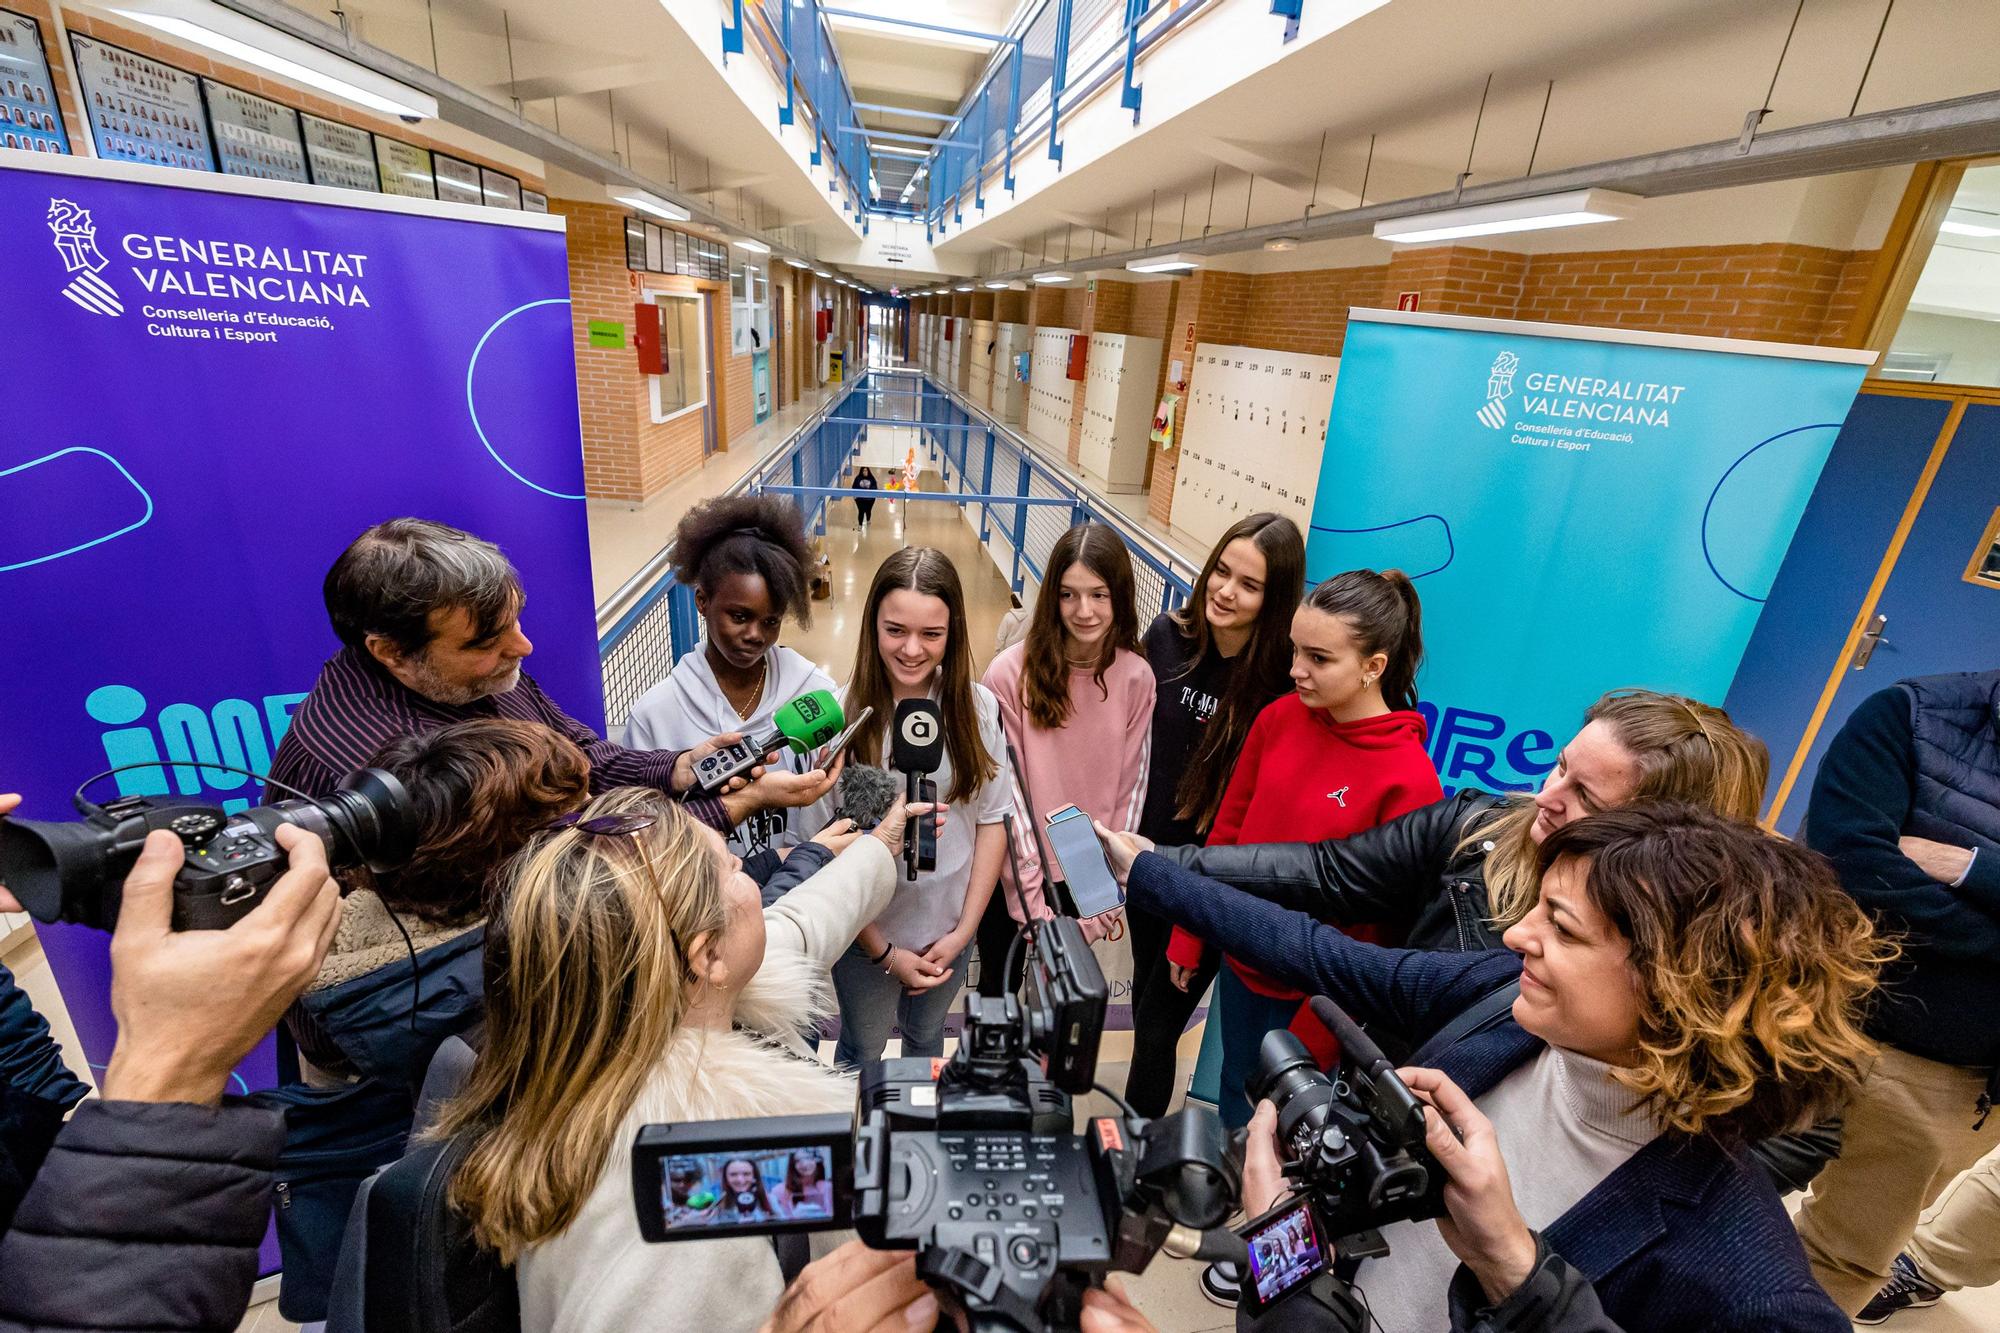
<point>1570,209</point>
<point>1281,244</point>
<point>999,286</point>
<point>244,40</point>
<point>1165,264</point>
<point>754,247</point>
<point>966,288</point>
<point>1953,227</point>
<point>647,203</point>
<point>898,151</point>
<point>1055,277</point>
<point>797,263</point>
<point>822,273</point>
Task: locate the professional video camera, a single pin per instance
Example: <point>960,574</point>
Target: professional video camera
<point>1354,1146</point>
<point>972,1162</point>
<point>75,871</point>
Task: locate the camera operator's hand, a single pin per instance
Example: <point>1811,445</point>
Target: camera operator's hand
<point>1264,1180</point>
<point>858,1290</point>
<point>1121,850</point>
<point>1110,1310</point>
<point>1484,1227</point>
<point>683,779</point>
<point>8,903</point>
<point>780,788</point>
<point>917,971</point>
<point>838,836</point>
<point>897,822</point>
<point>192,1003</point>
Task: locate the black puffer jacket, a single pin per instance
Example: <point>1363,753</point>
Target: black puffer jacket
<point>145,1215</point>
<point>1406,873</point>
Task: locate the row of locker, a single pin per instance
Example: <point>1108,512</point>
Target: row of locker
<point>1118,382</point>
<point>1051,393</point>
<point>1252,437</point>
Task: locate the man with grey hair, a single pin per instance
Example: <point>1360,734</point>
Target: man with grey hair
<point>430,622</point>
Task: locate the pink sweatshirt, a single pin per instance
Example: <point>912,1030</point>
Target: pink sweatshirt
<point>1097,761</point>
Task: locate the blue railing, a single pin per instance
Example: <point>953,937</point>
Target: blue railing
<point>1024,499</point>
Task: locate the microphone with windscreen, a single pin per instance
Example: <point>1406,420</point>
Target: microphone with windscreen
<point>916,749</point>
<point>809,721</point>
<point>864,794</point>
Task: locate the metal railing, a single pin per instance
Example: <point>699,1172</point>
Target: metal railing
<point>1026,498</point>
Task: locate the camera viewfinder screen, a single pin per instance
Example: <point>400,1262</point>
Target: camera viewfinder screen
<point>1285,1253</point>
<point>703,1191</point>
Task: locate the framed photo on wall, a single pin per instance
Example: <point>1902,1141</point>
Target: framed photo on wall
<point>30,116</point>
<point>501,190</point>
<point>141,110</point>
<point>457,182</point>
<point>255,136</point>
<point>534,201</point>
<point>405,169</point>
<point>340,154</point>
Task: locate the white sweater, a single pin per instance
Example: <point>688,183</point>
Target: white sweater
<point>598,1274</point>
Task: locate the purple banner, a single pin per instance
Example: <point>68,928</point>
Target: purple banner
<point>213,386</point>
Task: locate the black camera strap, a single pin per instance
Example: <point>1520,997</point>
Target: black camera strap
<point>1481,1014</point>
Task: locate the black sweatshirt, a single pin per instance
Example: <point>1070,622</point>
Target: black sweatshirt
<point>1941,999</point>
<point>1187,697</point>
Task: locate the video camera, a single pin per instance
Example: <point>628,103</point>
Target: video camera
<point>972,1162</point>
<point>75,871</point>
<point>1354,1146</point>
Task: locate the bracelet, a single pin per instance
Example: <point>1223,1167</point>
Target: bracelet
<point>880,958</point>
<point>886,957</point>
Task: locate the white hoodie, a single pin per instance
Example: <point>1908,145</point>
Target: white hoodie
<point>688,706</point>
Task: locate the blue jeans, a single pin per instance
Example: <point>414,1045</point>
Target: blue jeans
<point>873,1006</point>
<point>1245,1017</point>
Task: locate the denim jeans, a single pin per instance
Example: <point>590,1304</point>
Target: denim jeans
<point>873,1006</point>
<point>1245,1017</point>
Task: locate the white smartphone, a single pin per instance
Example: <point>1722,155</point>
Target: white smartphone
<point>1081,856</point>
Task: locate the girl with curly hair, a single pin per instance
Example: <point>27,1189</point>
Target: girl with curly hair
<point>1687,986</point>
<point>746,558</point>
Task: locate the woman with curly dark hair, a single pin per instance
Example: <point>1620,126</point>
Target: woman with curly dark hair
<point>746,558</point>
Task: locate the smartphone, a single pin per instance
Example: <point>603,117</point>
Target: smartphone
<point>1081,858</point>
<point>1286,1252</point>
<point>719,1178</point>
<point>824,755</point>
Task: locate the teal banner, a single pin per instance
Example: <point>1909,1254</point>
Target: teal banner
<point>1581,509</point>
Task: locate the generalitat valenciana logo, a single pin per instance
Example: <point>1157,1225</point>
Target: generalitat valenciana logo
<point>76,242</point>
<point>1499,388</point>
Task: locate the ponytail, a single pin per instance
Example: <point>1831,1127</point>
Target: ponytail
<point>1385,616</point>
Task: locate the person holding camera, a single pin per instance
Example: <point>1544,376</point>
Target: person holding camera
<point>634,977</point>
<point>151,1206</point>
<point>1687,986</point>
<point>429,619</point>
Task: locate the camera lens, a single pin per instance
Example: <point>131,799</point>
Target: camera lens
<point>1287,1077</point>
<point>368,820</point>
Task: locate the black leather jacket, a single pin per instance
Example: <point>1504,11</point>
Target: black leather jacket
<point>1405,873</point>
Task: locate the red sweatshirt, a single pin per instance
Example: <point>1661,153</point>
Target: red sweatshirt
<point>1303,777</point>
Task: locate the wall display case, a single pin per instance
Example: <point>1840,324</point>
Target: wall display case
<point>1051,393</point>
<point>340,154</point>
<point>1118,383</point>
<point>1251,438</point>
<point>457,182</point>
<point>405,169</point>
<point>500,189</point>
<point>141,110</point>
<point>255,136</point>
<point>30,116</point>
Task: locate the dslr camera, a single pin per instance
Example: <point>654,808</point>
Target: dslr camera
<point>971,1162</point>
<point>1351,1143</point>
<point>75,870</point>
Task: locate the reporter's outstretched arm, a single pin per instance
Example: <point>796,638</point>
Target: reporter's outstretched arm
<point>178,1187</point>
<point>1415,992</point>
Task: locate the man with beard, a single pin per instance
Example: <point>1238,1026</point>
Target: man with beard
<point>430,620</point>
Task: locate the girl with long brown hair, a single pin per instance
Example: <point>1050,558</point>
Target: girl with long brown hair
<point>1217,663</point>
<point>1076,697</point>
<point>908,966</point>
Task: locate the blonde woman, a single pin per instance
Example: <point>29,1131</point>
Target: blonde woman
<point>631,979</point>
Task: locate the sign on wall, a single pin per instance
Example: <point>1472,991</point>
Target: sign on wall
<point>340,154</point>
<point>406,169</point>
<point>1581,509</point>
<point>292,365</point>
<point>255,136</point>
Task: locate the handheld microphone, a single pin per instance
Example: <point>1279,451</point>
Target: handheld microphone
<point>916,748</point>
<point>802,724</point>
<point>864,794</point>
